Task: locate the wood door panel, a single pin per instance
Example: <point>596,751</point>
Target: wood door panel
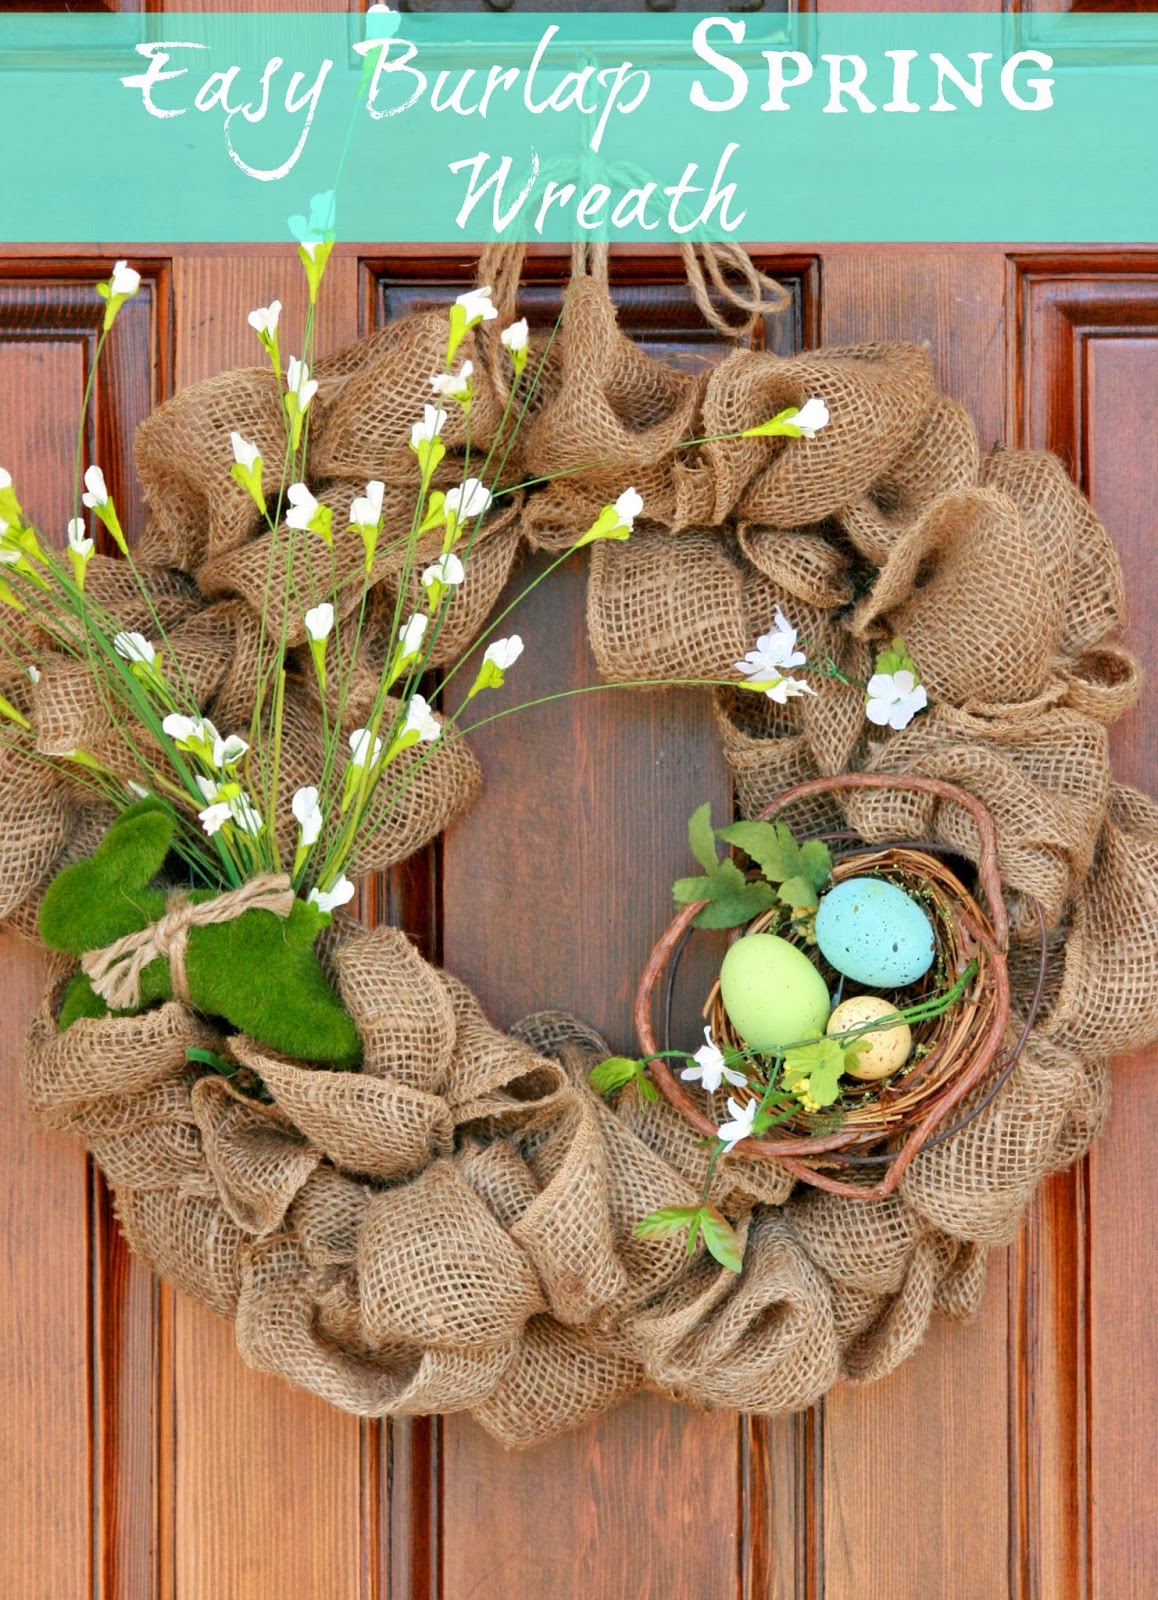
<point>76,1430</point>
<point>911,1451</point>
<point>1121,428</point>
<point>1087,374</point>
<point>144,1459</point>
<point>253,1459</point>
<point>555,887</point>
<point>45,1344</point>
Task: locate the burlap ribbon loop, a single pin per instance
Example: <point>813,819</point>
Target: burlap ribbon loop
<point>115,972</point>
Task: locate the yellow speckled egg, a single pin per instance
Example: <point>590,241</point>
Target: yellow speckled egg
<point>886,1049</point>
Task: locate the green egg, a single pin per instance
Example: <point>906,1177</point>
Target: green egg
<point>772,993</point>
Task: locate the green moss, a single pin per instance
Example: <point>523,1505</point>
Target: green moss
<point>259,972</point>
<point>100,899</point>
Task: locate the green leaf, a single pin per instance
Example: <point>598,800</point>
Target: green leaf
<point>210,1058</point>
<point>731,910</point>
<point>666,1222</point>
<point>609,1076</point>
<point>771,846</point>
<point>686,891</point>
<point>702,838</point>
<point>799,892</point>
<point>821,1064</point>
<point>717,1231</point>
<point>720,1238</point>
<point>754,838</point>
<point>896,659</point>
<point>724,879</point>
<point>614,1073</point>
<point>816,862</point>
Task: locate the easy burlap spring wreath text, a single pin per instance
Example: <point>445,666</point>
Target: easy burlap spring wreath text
<point>450,1226</point>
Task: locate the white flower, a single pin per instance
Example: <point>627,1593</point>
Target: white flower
<point>310,231</point>
<point>740,1127</point>
<point>453,385</point>
<point>189,731</point>
<point>469,499</point>
<point>138,789</point>
<point>774,652</point>
<point>214,817</point>
<point>476,306</point>
<point>245,814</point>
<point>245,454</point>
<point>711,1070</point>
<point>125,280</point>
<point>94,482</point>
<point>894,698</point>
<point>366,511</point>
<point>308,812</point>
<point>515,337</point>
<point>299,382</point>
<point>448,570</point>
<point>628,507</point>
<point>265,319</point>
<point>227,752</point>
<point>216,814</point>
<point>328,900</point>
<point>614,522</point>
<point>504,652</point>
<point>785,689</point>
<point>429,428</point>
<point>411,635</point>
<point>135,647</point>
<point>77,542</point>
<point>5,478</point>
<point>319,621</point>
<point>303,507</point>
<point>381,21</point>
<point>227,803</point>
<point>34,674</point>
<point>360,748</point>
<point>812,416</point>
<point>419,722</point>
<point>199,735</point>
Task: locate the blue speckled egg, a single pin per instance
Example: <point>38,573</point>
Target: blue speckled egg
<point>875,933</point>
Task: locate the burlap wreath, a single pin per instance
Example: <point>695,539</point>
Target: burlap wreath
<point>451,1228</point>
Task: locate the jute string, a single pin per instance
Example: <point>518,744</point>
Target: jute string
<point>116,970</point>
<point>764,296</point>
<point>451,1228</point>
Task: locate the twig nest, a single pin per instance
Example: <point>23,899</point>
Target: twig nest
<point>884,1050</point>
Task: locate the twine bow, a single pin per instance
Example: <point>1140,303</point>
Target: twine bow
<point>115,972</point>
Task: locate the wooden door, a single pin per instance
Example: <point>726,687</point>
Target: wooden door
<point>1010,1459</point>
